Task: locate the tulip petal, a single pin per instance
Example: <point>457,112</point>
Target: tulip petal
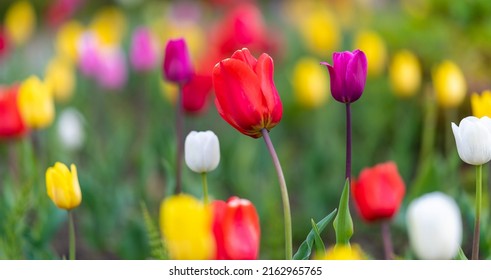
<point>356,73</point>
<point>245,56</point>
<point>264,71</point>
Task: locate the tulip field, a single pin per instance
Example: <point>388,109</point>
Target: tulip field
<point>229,130</point>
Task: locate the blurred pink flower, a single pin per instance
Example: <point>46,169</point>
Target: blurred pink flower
<point>112,72</point>
<point>3,42</point>
<point>143,52</point>
<point>89,54</point>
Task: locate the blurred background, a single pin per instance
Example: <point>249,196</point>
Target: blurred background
<point>114,113</point>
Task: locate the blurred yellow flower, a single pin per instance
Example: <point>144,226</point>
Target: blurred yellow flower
<point>320,32</point>
<point>405,73</point>
<point>449,84</point>
<point>169,91</point>
<point>109,25</point>
<point>374,47</point>
<point>344,252</point>
<point>310,83</point>
<point>186,225</point>
<point>36,103</point>
<point>20,20</point>
<point>62,186</point>
<point>60,78</point>
<point>481,104</point>
<point>67,40</point>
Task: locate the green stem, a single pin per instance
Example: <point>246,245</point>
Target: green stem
<point>477,221</point>
<point>284,194</point>
<point>205,187</point>
<point>179,140</point>
<point>71,236</point>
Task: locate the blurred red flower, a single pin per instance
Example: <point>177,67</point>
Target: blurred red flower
<point>11,125</point>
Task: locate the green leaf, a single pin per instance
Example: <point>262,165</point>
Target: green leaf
<point>460,255</point>
<point>305,249</point>
<point>157,247</point>
<point>319,245</point>
<point>343,224</point>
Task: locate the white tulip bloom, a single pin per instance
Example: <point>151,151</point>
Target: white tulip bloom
<point>434,226</point>
<point>202,151</point>
<point>70,129</point>
<point>473,139</point>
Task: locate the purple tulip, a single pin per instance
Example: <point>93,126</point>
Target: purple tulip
<point>143,54</point>
<point>177,63</point>
<point>348,75</point>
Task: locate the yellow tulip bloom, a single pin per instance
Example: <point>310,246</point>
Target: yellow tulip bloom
<point>344,252</point>
<point>67,40</point>
<point>62,186</point>
<point>449,84</point>
<point>109,25</point>
<point>20,19</point>
<point>373,45</point>
<point>481,104</point>
<point>186,225</point>
<point>320,32</point>
<point>36,103</point>
<point>60,78</point>
<point>405,73</point>
<point>310,83</point>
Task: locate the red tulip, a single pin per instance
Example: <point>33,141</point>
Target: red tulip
<point>236,229</point>
<point>61,10</point>
<point>3,42</point>
<point>378,192</point>
<point>11,125</point>
<point>246,96</point>
<point>195,93</point>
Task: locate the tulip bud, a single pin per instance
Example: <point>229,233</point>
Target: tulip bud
<point>36,103</point>
<point>202,151</point>
<point>309,83</point>
<point>236,228</point>
<point>246,96</point>
<point>473,139</point>
<point>434,226</point>
<point>405,73</point>
<point>348,75</point>
<point>12,124</point>
<point>186,226</point>
<point>481,104</point>
<point>177,63</point>
<point>378,192</point>
<point>62,186</point>
<point>20,20</point>
<point>450,85</point>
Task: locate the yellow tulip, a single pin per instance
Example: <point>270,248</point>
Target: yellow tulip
<point>169,91</point>
<point>60,78</point>
<point>374,47</point>
<point>405,73</point>
<point>67,40</point>
<point>36,103</point>
<point>186,225</point>
<point>344,252</point>
<point>481,104</point>
<point>109,25</point>
<point>310,83</point>
<point>62,186</point>
<point>20,19</point>
<point>449,84</point>
<point>320,32</point>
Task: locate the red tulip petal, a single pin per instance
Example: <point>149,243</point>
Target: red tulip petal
<point>245,56</point>
<point>272,102</point>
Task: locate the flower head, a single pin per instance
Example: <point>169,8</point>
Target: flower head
<point>20,20</point>
<point>236,229</point>
<point>202,151</point>
<point>67,40</point>
<point>36,103</point>
<point>70,129</point>
<point>481,104</point>
<point>473,139</point>
<point>246,96</point>
<point>60,78</point>
<point>348,75</point>
<point>143,52</point>
<point>450,85</point>
<point>12,124</point>
<point>405,73</point>
<point>434,226</point>
<point>309,83</point>
<point>186,226</point>
<point>378,192</point>
<point>62,186</point>
<point>376,51</point>
<point>177,63</point>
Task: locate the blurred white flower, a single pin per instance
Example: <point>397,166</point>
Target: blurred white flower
<point>434,226</point>
<point>202,151</point>
<point>70,129</point>
<point>473,139</point>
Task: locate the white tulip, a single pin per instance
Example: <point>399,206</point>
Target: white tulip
<point>202,151</point>
<point>473,139</point>
<point>434,226</point>
<point>70,129</point>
